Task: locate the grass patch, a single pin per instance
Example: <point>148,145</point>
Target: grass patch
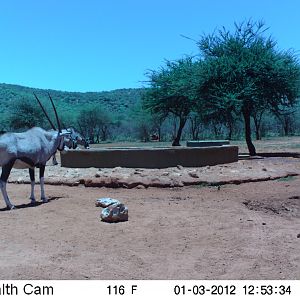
<point>295,146</point>
<point>203,184</point>
<point>288,178</point>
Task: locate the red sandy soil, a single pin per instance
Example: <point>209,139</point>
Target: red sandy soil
<point>189,230</point>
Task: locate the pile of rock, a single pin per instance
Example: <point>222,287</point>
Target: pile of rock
<point>113,210</point>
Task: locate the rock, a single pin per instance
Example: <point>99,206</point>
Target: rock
<point>20,180</point>
<point>159,182</point>
<point>298,235</point>
<point>294,197</point>
<point>194,174</point>
<point>105,202</point>
<point>264,169</point>
<point>116,169</point>
<point>111,182</point>
<point>115,213</point>
<point>140,187</point>
<point>180,167</point>
<point>176,174</point>
<point>176,183</point>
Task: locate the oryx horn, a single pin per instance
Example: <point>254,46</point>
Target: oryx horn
<point>53,127</point>
<point>57,120</point>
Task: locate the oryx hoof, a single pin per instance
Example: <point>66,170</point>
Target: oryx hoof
<point>44,200</point>
<point>11,207</point>
<point>32,200</point>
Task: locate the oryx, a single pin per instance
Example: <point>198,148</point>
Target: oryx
<point>78,139</point>
<point>30,149</point>
<point>73,142</point>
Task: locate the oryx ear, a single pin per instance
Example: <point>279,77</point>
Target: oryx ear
<point>39,102</point>
<point>57,120</point>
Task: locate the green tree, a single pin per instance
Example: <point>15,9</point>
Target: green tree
<point>195,125</point>
<point>94,123</point>
<point>287,120</point>
<point>172,91</point>
<point>25,114</point>
<point>243,72</point>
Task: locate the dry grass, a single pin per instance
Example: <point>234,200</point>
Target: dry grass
<point>277,144</point>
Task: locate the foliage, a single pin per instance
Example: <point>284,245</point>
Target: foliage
<point>25,115</point>
<point>172,91</point>
<point>243,73</point>
<point>240,82</point>
<point>94,123</point>
<point>69,104</point>
<point>116,106</point>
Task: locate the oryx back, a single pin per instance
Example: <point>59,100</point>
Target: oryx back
<point>30,148</point>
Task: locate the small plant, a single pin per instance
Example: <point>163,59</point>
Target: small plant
<point>287,178</point>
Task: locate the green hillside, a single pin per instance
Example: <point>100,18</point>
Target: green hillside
<point>122,117</point>
<point>118,102</point>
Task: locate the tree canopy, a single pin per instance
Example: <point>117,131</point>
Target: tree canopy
<point>26,115</point>
<point>239,73</point>
<point>172,91</point>
<point>243,72</point>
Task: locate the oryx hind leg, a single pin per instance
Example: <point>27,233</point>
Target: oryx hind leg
<point>54,160</point>
<point>42,171</point>
<point>3,180</point>
<point>32,181</point>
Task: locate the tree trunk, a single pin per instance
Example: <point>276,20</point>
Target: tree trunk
<point>230,130</point>
<point>215,130</point>
<point>230,124</point>
<point>257,123</point>
<point>159,133</point>
<point>194,128</point>
<point>176,141</point>
<point>104,131</point>
<point>250,145</point>
<point>286,125</point>
<point>196,134</point>
<point>174,123</point>
<point>257,134</point>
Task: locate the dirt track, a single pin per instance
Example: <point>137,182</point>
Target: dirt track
<point>246,231</point>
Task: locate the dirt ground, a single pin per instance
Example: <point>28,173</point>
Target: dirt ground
<point>230,231</point>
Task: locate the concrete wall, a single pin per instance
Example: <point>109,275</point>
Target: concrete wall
<point>149,157</point>
<point>207,143</point>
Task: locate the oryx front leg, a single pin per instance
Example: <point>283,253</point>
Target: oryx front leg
<point>42,171</point>
<point>5,196</point>
<point>4,176</point>
<point>32,181</point>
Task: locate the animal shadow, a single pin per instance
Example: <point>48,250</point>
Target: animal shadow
<point>28,205</point>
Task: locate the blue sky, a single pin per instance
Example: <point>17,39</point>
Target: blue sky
<point>90,45</point>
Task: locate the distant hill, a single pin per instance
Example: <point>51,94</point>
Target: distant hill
<point>119,102</point>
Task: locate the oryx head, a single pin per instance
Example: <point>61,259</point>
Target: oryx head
<point>62,134</point>
<point>78,139</point>
<point>82,141</point>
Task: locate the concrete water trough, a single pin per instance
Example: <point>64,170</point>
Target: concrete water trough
<point>207,143</point>
<point>156,157</point>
